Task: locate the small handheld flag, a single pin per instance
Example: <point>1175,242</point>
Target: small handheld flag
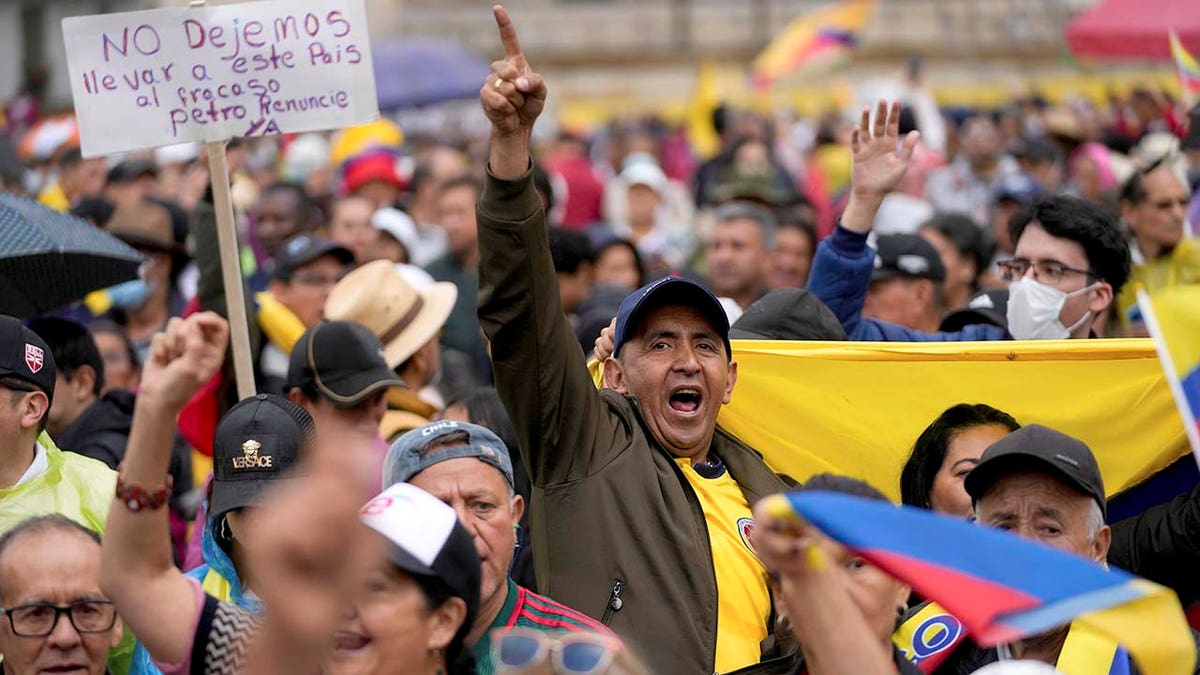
<point>1001,587</point>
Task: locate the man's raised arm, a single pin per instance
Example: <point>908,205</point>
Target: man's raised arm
<point>843,263</point>
<point>540,370</point>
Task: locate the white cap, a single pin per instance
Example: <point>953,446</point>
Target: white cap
<point>398,224</point>
<point>180,153</point>
<point>644,173</point>
<point>426,538</point>
<point>303,155</point>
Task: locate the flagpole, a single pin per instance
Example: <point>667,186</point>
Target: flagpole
<point>231,269</point>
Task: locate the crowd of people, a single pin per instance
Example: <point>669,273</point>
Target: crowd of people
<point>422,313</point>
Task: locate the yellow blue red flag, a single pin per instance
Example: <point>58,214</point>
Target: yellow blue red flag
<point>1187,68</point>
<point>982,577</point>
<point>812,40</point>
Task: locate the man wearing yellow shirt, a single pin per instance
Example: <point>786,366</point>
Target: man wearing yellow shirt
<point>640,503</point>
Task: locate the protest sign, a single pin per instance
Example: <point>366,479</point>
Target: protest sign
<point>174,75</point>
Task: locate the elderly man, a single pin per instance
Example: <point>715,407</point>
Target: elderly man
<point>641,506</point>
<point>56,618</point>
<point>1043,485</point>
<point>35,476</point>
<point>1154,204</point>
<point>468,467</point>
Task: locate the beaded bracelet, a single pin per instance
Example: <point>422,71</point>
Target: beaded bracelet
<point>136,498</point>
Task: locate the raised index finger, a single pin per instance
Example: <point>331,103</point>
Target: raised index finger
<point>508,32</point>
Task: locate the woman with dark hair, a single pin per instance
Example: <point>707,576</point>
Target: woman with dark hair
<point>946,451</point>
<point>619,263</point>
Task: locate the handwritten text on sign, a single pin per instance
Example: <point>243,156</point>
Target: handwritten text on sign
<point>163,76</point>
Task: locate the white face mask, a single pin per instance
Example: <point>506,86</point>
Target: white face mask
<point>1034,308</point>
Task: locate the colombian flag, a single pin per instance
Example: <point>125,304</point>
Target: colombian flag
<point>1188,69</point>
<point>1001,587</point>
<point>1173,317</point>
<point>811,41</point>
<point>855,408</point>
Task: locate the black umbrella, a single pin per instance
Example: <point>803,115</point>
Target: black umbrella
<point>48,259</point>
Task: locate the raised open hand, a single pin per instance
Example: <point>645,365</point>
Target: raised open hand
<point>183,357</point>
<point>879,158</point>
<point>513,95</point>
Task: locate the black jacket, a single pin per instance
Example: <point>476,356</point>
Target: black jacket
<point>1162,544</point>
<point>102,432</point>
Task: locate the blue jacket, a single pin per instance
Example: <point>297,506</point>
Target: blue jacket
<point>215,560</point>
<point>841,274</point>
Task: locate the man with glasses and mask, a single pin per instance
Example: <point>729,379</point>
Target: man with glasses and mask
<point>54,617</point>
<point>36,478</point>
<point>1069,261</point>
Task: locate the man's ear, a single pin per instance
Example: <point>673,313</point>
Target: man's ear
<point>33,408</point>
<point>614,376</point>
<point>117,634</point>
<point>278,289</point>
<point>1102,297</point>
<point>730,380</point>
<point>518,508</point>
<point>1100,544</point>
<point>84,379</point>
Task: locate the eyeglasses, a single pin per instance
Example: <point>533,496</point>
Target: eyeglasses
<point>571,653</point>
<point>1047,270</point>
<point>39,619</point>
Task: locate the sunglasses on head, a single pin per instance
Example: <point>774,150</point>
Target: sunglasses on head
<point>570,653</point>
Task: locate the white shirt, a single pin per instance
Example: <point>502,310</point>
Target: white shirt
<point>39,466</point>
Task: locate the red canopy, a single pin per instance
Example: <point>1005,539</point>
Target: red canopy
<point>1134,29</point>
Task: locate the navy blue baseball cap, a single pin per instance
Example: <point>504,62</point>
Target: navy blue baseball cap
<point>664,292</point>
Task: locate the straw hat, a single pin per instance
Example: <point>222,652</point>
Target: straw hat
<point>377,296</point>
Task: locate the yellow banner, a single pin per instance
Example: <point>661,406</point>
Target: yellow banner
<point>855,408</point>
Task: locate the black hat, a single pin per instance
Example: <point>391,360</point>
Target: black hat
<point>666,291</point>
<point>988,306</point>
<point>341,361</point>
<point>255,444</point>
<point>788,314</point>
<point>907,255</point>
<point>25,356</point>
<point>131,170</point>
<point>302,249</point>
<point>1038,448</point>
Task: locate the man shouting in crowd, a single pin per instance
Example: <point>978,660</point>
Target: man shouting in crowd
<point>641,507</point>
